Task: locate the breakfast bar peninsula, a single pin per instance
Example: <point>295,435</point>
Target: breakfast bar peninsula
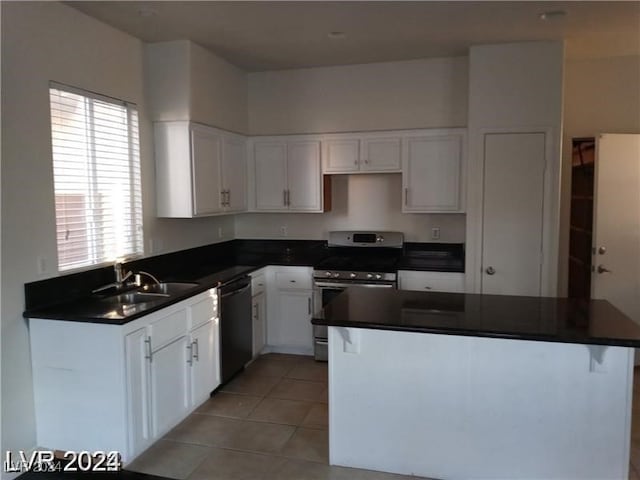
<point>454,386</point>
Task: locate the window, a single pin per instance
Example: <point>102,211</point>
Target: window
<point>96,171</point>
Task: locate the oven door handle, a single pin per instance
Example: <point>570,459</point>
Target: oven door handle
<point>346,285</point>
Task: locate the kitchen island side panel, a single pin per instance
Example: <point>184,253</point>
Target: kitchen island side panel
<point>452,407</point>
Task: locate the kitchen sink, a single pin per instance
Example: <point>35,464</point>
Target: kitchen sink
<point>165,288</point>
<point>144,297</point>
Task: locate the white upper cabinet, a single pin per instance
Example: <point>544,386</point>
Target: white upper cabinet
<point>205,165</point>
<point>433,172</point>
<point>287,175</point>
<point>304,177</point>
<point>367,153</point>
<point>381,154</point>
<point>234,173</point>
<point>200,170</point>
<point>270,175</point>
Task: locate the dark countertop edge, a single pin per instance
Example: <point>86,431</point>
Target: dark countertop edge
<point>481,333</point>
<point>203,286</point>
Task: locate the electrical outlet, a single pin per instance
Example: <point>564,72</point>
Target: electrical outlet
<point>283,230</point>
<point>435,233</point>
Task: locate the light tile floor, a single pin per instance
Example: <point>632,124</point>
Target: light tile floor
<point>270,423</point>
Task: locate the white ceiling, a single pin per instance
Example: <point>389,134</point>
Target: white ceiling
<point>267,35</point>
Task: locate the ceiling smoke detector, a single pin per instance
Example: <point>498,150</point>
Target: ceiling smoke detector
<point>336,35</point>
<point>552,15</point>
<point>147,12</point>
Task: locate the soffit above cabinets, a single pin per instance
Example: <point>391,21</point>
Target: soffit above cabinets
<point>258,36</point>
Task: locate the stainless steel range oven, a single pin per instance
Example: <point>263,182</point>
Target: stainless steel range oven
<point>365,259</point>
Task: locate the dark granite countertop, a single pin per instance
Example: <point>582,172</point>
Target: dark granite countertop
<point>69,297</point>
<point>512,317</point>
<point>92,308</point>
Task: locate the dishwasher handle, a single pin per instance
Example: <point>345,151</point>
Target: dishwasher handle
<point>235,292</point>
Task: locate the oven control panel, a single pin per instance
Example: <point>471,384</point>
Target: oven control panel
<point>356,277</point>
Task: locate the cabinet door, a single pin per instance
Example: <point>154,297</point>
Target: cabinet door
<point>137,371</point>
<point>432,174</point>
<point>234,174</point>
<point>270,175</point>
<point>304,177</point>
<point>258,316</point>
<point>381,154</point>
<point>205,375</point>
<point>169,385</point>
<point>342,155</point>
<point>205,165</point>
<point>431,281</point>
<point>294,319</point>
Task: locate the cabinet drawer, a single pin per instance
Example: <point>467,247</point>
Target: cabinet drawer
<point>168,328</point>
<point>205,310</point>
<point>258,284</point>
<point>293,280</point>
<point>431,281</point>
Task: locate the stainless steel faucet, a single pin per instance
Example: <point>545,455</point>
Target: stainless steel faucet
<point>120,275</point>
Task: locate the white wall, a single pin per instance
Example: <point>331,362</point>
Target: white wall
<point>600,96</point>
<point>218,92</point>
<point>515,86</point>
<point>41,42</point>
<point>184,81</point>
<point>427,93</point>
<point>392,95</point>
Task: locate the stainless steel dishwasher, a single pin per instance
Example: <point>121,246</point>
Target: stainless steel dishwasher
<point>236,331</point>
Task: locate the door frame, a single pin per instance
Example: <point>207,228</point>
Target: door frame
<point>551,206</point>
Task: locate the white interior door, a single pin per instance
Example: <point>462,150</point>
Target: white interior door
<point>512,229</point>
<point>617,222</point>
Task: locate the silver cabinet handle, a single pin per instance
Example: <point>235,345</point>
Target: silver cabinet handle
<point>149,355</point>
<point>603,269</point>
<point>195,349</point>
<point>222,194</point>
<point>309,303</point>
<point>190,354</point>
<point>228,198</point>
<point>288,198</point>
<point>406,197</point>
<point>490,270</point>
<point>284,193</point>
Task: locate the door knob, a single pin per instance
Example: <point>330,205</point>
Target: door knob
<point>490,270</point>
<point>602,269</point>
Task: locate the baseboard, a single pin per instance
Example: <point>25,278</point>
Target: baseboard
<point>289,350</point>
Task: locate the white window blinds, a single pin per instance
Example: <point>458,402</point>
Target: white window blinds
<point>96,170</point>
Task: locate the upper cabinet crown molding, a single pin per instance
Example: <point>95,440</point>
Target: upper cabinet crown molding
<point>200,170</point>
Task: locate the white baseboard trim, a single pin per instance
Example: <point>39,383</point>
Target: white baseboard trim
<point>289,350</point>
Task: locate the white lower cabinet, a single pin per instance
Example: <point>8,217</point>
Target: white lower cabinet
<point>204,353</point>
<point>99,386</point>
<point>169,376</point>
<point>431,281</point>
<point>290,302</point>
<point>259,310</point>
